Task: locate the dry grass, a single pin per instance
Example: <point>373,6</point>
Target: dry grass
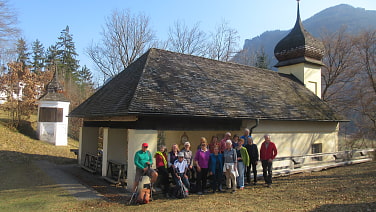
<point>22,145</point>
<point>24,187</point>
<point>351,188</point>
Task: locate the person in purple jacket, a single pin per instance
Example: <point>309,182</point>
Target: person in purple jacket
<point>202,162</point>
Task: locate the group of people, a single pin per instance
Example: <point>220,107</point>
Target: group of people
<point>231,160</point>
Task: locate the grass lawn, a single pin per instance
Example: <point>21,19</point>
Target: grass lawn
<point>24,187</point>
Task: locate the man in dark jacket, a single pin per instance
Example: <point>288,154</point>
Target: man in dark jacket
<point>254,157</point>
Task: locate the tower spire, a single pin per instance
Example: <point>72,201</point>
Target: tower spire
<point>300,54</point>
<point>298,15</point>
<point>54,86</point>
<point>298,46</point>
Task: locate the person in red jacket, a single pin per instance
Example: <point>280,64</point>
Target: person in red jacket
<point>161,164</point>
<point>268,152</point>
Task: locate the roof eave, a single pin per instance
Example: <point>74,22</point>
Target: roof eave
<point>294,61</point>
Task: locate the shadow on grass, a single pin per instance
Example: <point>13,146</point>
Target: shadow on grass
<point>24,127</point>
<point>19,157</point>
<point>346,207</point>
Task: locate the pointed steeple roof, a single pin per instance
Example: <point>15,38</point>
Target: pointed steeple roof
<point>54,86</point>
<point>54,91</point>
<point>298,46</point>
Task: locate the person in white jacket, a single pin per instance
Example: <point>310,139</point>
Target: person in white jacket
<point>229,167</point>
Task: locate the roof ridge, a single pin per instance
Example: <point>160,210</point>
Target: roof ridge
<point>213,60</point>
<point>147,55</point>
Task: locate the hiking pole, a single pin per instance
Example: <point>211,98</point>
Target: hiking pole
<point>135,193</point>
<point>151,184</point>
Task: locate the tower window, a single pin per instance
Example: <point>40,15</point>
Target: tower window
<point>49,114</point>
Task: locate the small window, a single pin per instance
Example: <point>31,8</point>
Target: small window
<point>312,86</point>
<point>317,148</point>
<point>49,114</point>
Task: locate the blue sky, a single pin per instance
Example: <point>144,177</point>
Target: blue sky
<point>44,19</point>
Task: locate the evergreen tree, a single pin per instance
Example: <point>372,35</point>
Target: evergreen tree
<point>51,57</point>
<point>85,83</point>
<point>66,53</point>
<point>38,57</point>
<point>84,76</point>
<point>262,60</point>
<point>22,52</point>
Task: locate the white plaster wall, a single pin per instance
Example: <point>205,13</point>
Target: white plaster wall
<point>294,138</point>
<point>54,132</point>
<point>61,132</point>
<point>46,131</point>
<point>291,137</point>
<point>308,74</point>
<point>174,137</point>
<point>115,146</point>
<point>88,142</point>
<point>135,140</point>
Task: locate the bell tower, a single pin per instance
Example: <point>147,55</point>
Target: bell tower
<point>300,54</point>
<point>53,110</point>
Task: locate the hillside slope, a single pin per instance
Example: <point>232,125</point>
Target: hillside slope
<point>16,146</point>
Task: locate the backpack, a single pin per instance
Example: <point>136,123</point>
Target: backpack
<point>181,191</point>
<point>144,190</point>
<point>144,196</point>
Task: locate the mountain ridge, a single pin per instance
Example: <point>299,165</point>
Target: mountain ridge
<point>330,20</point>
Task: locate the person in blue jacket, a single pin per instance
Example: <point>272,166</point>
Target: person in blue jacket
<point>216,169</point>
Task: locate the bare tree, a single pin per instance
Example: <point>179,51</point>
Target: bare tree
<point>224,41</point>
<point>246,56</point>
<point>8,21</point>
<point>366,48</point>
<point>339,71</point>
<point>186,40</point>
<point>365,45</point>
<point>124,38</point>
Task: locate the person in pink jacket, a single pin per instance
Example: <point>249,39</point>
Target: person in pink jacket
<point>268,152</point>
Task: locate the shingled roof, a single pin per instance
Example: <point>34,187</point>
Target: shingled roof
<point>54,91</point>
<point>164,83</point>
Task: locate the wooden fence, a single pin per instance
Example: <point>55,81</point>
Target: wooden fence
<point>319,161</point>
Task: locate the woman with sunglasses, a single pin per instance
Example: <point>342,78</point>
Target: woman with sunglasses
<point>202,162</point>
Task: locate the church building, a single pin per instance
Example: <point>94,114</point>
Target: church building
<point>167,98</point>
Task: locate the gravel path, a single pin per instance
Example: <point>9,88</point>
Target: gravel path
<point>67,181</point>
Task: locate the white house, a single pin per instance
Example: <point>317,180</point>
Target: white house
<point>16,93</point>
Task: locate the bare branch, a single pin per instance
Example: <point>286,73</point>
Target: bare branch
<point>223,43</point>
<point>124,38</point>
<point>8,22</point>
<point>186,40</point>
